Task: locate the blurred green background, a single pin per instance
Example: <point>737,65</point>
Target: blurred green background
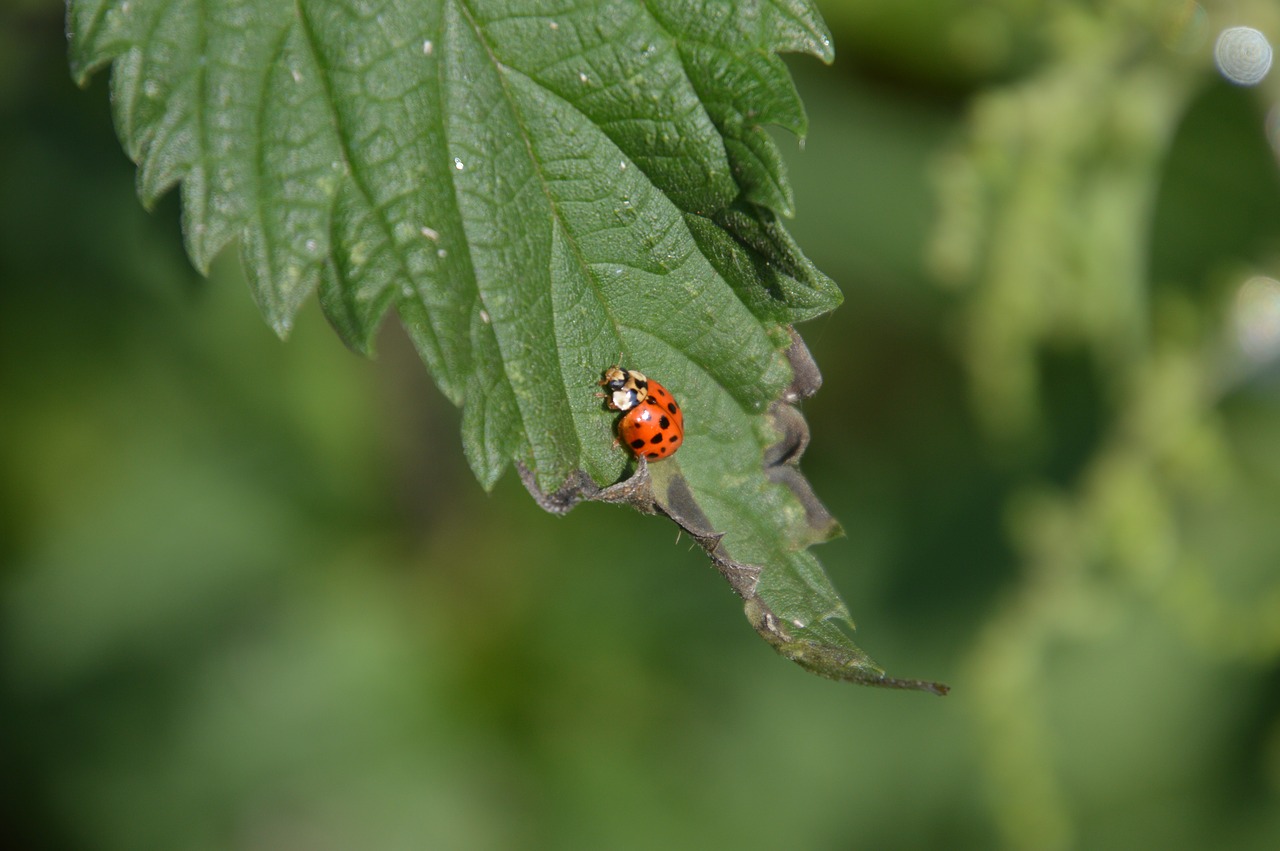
<point>251,597</point>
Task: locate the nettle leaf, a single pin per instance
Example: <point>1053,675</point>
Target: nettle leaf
<point>535,187</point>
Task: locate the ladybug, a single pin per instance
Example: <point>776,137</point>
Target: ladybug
<point>653,425</point>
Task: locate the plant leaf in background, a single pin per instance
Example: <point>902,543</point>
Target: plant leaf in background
<point>535,191</point>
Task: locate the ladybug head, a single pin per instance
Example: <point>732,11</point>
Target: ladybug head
<point>626,388</point>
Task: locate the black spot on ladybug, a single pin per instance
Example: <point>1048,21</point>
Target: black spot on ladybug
<point>664,423</point>
<point>637,443</point>
<point>657,438</point>
<point>675,438</point>
<point>671,406</point>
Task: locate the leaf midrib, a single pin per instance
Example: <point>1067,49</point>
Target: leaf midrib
<point>571,242</point>
<point>355,174</point>
<point>502,71</point>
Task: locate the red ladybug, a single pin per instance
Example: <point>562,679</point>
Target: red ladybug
<point>653,425</point>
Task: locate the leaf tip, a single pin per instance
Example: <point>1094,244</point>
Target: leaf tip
<point>283,326</point>
<point>844,662</point>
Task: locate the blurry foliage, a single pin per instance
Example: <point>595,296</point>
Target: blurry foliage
<point>1046,222</point>
<point>232,616</point>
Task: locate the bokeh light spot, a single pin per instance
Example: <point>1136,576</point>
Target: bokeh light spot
<point>1243,55</point>
<point>1273,129</point>
<point>1257,318</point>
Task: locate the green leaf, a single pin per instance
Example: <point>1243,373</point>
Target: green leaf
<point>535,187</point>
